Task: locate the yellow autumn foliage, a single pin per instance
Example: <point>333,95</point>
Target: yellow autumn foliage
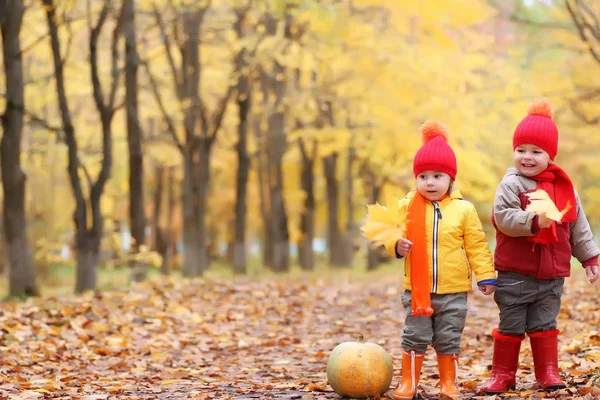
<point>384,65</point>
<point>385,224</point>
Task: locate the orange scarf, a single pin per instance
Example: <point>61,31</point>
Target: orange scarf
<point>557,184</point>
<point>419,263</point>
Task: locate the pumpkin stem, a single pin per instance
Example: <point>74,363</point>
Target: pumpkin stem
<point>361,338</point>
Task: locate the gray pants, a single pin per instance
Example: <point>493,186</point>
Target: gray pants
<point>442,330</point>
<point>527,304</point>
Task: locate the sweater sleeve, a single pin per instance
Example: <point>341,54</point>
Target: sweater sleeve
<point>583,246</point>
<point>509,217</point>
<point>391,245</point>
<point>476,247</point>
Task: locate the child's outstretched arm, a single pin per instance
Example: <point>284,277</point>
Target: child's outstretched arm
<point>583,246</point>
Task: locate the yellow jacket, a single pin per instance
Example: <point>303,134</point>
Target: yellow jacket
<point>458,246</point>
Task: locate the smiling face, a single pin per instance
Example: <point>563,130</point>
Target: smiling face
<point>530,160</point>
<point>433,185</point>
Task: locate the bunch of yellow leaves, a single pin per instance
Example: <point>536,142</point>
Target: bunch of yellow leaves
<point>542,204</point>
<point>385,224</point>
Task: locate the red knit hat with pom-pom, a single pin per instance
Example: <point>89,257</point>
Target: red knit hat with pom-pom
<point>537,128</point>
<point>435,154</point>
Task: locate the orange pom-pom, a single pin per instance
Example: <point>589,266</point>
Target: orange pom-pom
<point>432,129</point>
<point>541,106</point>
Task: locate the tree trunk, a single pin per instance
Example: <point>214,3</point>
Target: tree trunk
<point>197,146</point>
<point>334,236</point>
<point>137,218</point>
<point>338,243</point>
<point>88,250</point>
<point>196,184</point>
<point>197,150</point>
<point>244,101</point>
<point>163,242</point>
<point>195,260</point>
<point>373,254</point>
<point>239,244</point>
<point>203,179</point>
<point>157,230</point>
<point>87,239</point>
<point>277,147</point>
<point>106,111</point>
<point>2,240</point>
<point>273,86</point>
<point>22,280</point>
<point>190,228</point>
<point>263,173</point>
<point>159,173</point>
<point>267,246</point>
<point>80,214</point>
<point>351,231</point>
<point>169,237</point>
<point>306,253</point>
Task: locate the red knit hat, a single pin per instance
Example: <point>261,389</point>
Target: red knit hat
<point>537,128</point>
<point>435,154</point>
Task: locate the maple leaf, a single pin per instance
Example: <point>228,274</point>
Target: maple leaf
<point>385,223</point>
<point>542,204</point>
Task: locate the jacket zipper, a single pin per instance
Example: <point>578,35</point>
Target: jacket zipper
<point>437,215</point>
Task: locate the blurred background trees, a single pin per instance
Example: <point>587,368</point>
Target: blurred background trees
<point>247,135</point>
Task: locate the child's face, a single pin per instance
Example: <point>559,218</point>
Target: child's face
<point>530,160</point>
<point>433,185</point>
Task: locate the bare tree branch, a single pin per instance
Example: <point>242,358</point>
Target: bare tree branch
<point>95,34</point>
<point>167,43</point>
<point>576,9</point>
<point>115,58</point>
<point>221,112</point>
<point>581,115</point>
<point>163,110</point>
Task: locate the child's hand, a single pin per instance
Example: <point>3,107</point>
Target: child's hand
<point>403,246</point>
<point>544,222</point>
<point>487,289</point>
<point>592,273</point>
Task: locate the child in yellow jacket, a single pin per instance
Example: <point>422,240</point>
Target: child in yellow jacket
<point>444,245</point>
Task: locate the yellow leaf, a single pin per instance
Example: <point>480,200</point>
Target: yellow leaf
<point>116,341</point>
<point>385,224</point>
<point>542,204</point>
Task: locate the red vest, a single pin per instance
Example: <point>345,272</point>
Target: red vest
<point>519,254</point>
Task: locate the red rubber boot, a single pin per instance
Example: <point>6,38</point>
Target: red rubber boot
<point>544,346</point>
<point>504,363</point>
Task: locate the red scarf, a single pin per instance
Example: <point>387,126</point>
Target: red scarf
<point>559,187</point>
<point>419,264</point>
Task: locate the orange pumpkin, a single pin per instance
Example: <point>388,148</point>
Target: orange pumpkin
<point>359,369</point>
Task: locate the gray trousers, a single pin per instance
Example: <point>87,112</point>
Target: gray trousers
<point>442,330</point>
<point>527,304</point>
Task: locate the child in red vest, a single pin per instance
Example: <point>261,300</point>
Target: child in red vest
<point>533,253</point>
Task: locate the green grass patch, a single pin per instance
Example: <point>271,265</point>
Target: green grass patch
<point>59,279</point>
